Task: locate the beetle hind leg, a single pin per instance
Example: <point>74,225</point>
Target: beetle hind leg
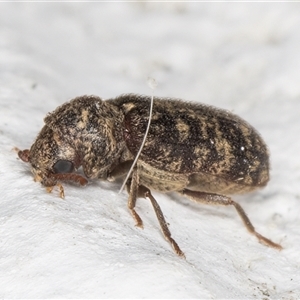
<point>215,199</point>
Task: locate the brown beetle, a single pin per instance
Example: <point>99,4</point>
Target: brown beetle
<point>196,150</point>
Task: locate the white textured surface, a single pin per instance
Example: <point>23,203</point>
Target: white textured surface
<point>243,57</point>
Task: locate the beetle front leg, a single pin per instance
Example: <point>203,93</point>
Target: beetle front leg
<point>61,190</point>
<point>215,199</point>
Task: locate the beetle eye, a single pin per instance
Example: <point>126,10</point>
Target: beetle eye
<point>63,166</point>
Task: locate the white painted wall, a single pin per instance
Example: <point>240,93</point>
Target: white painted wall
<point>244,57</point>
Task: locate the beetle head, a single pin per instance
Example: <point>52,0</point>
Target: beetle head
<point>52,159</point>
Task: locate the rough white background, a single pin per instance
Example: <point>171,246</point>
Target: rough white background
<point>244,57</point>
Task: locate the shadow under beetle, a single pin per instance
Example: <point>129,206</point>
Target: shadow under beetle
<point>199,151</point>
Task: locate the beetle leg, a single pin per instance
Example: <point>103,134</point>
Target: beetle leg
<point>145,192</point>
<point>215,199</point>
<point>136,191</point>
<point>132,188</point>
<point>61,190</point>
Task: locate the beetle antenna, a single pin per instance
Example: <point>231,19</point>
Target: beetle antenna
<point>152,83</point>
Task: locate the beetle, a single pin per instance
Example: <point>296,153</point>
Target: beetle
<point>199,151</point>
